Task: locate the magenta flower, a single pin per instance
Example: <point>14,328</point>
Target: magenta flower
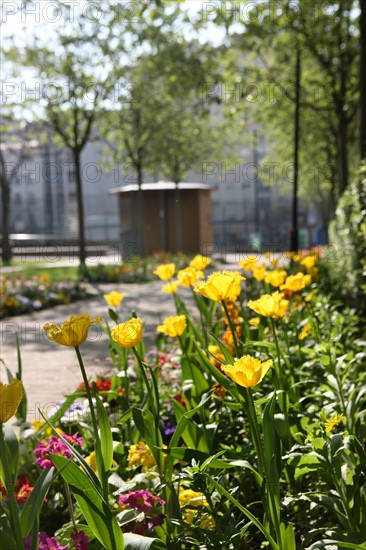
<point>45,543</point>
<point>54,446</point>
<point>80,540</point>
<point>142,501</point>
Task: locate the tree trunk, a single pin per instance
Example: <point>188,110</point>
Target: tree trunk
<point>342,133</point>
<point>363,80</point>
<point>5,196</point>
<point>141,212</point>
<point>80,205</point>
<point>294,245</point>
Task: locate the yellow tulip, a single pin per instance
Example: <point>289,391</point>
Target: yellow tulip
<point>296,282</point>
<point>128,334</point>
<point>270,305</point>
<point>72,332</point>
<point>275,277</point>
<point>249,263</point>
<point>259,272</point>
<point>173,326</point>
<point>189,275</point>
<point>165,271</point>
<point>255,322</point>
<point>247,371</point>
<point>114,298</point>
<point>10,398</point>
<point>200,262</point>
<point>171,288</point>
<point>309,261</point>
<point>222,285</point>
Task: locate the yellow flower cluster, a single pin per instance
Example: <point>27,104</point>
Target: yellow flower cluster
<point>191,502</point>
<point>140,455</point>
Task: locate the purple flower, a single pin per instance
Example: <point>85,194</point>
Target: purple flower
<point>45,543</point>
<point>141,500</point>
<point>168,428</point>
<point>80,540</point>
<point>55,446</point>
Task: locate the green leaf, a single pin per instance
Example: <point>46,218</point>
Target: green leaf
<point>95,510</point>
<point>307,463</point>
<point>222,491</point>
<point>12,450</point>
<point>22,409</point>
<point>187,455</point>
<point>288,536</point>
<point>125,417</point>
<point>6,540</point>
<point>138,542</point>
<point>216,374</point>
<point>225,352</point>
<point>106,438</point>
<point>32,508</point>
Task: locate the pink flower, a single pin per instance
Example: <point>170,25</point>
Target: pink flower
<point>45,543</point>
<point>80,540</point>
<point>142,501</point>
<point>54,446</point>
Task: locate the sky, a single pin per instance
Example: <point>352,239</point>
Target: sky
<point>15,16</point>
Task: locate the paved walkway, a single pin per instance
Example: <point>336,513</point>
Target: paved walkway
<point>50,370</point>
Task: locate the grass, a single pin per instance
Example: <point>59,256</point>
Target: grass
<point>54,273</point>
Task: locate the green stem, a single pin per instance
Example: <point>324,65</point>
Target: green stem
<point>98,449</point>
<point>10,490</point>
<point>154,409</point>
<point>203,327</point>
<point>253,420</point>
<point>69,504</point>
<point>232,328</point>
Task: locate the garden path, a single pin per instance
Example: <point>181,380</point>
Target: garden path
<point>50,370</point>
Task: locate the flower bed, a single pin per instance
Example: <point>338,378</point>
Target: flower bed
<point>21,295</point>
<point>244,427</point>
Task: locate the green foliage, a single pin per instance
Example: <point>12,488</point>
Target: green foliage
<point>348,236</point>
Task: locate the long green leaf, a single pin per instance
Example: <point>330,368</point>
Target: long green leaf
<point>246,512</point>
<point>106,438</point>
<point>138,542</point>
<point>95,510</point>
<point>6,540</point>
<point>12,450</point>
<point>32,508</point>
<point>187,455</point>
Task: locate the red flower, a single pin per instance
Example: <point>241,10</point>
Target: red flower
<point>179,397</point>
